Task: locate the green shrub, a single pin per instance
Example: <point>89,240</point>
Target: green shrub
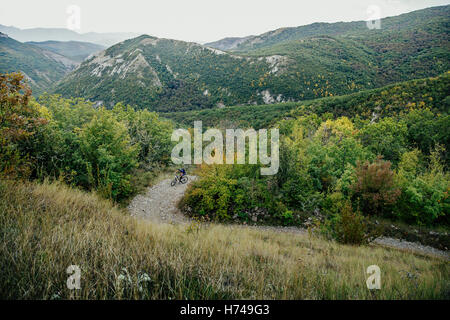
<point>19,119</point>
<point>108,155</point>
<point>288,217</point>
<point>212,194</point>
<point>224,191</point>
<point>150,132</point>
<point>424,199</point>
<point>350,226</point>
<point>374,188</point>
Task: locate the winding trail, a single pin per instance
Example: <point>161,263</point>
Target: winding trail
<point>159,205</point>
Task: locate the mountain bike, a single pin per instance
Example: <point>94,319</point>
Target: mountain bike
<point>182,180</point>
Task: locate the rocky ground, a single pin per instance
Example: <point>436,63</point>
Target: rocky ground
<point>412,246</point>
<point>159,203</point>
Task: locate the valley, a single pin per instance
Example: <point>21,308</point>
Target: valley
<point>353,123</point>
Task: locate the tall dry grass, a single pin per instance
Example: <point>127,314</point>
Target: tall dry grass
<point>44,228</point>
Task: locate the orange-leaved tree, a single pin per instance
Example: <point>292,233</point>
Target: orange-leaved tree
<point>18,121</point>
<point>375,187</point>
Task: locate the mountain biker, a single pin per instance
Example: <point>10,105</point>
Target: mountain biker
<point>182,172</point>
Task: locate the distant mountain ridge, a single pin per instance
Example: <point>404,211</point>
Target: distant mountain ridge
<point>61,34</point>
<point>74,50</point>
<point>228,44</point>
<point>281,35</point>
<point>168,75</point>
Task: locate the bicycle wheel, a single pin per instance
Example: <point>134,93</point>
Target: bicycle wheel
<point>174,182</point>
<point>184,179</point>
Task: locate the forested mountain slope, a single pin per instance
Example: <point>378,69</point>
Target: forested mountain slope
<point>430,93</point>
<point>41,67</point>
<point>270,38</point>
<point>168,75</point>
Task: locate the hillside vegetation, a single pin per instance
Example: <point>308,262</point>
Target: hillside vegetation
<point>106,150</point>
<point>386,101</point>
<point>386,157</point>
<point>350,29</point>
<point>165,75</point>
<point>376,154</point>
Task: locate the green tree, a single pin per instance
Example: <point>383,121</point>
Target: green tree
<point>19,119</point>
<point>424,199</point>
<point>108,154</point>
<point>386,137</point>
<point>150,132</point>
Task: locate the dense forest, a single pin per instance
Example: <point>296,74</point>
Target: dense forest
<point>393,168</point>
<point>379,153</point>
<point>68,139</point>
<point>386,101</point>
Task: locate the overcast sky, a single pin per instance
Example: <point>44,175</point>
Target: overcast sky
<point>197,20</point>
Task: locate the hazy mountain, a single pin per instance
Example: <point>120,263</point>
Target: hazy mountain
<point>168,75</point>
<point>41,67</point>
<point>228,43</point>
<point>356,28</point>
<point>74,50</point>
<point>409,46</point>
<point>61,34</point>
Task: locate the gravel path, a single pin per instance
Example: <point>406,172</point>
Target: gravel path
<point>411,246</point>
<point>159,204</point>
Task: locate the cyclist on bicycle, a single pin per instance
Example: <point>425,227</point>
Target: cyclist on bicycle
<point>182,172</point>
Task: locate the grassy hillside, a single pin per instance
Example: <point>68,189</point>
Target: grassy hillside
<point>389,100</point>
<point>47,227</point>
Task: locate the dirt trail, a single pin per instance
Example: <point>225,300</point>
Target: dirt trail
<point>159,204</point>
